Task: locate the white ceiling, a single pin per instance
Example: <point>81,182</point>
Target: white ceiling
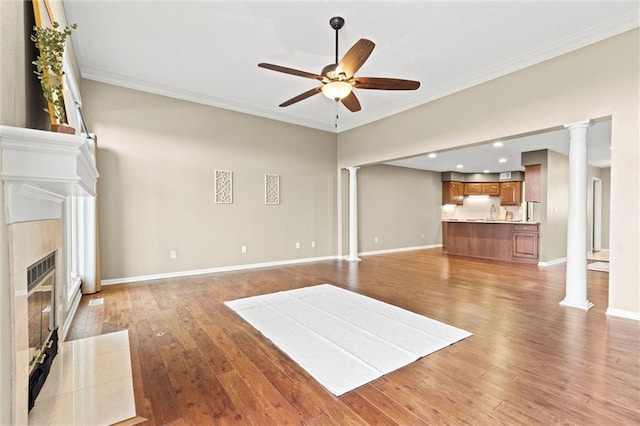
<point>208,51</point>
<point>486,156</point>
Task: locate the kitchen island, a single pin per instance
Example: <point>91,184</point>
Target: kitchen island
<point>514,241</point>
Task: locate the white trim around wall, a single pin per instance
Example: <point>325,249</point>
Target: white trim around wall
<point>250,266</point>
<point>396,250</point>
<point>623,314</point>
<point>553,262</point>
<point>70,315</point>
<point>214,270</point>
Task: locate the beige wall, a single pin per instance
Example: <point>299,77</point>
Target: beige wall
<point>12,113</point>
<point>600,80</point>
<point>12,63</point>
<point>157,158</point>
<point>557,206</point>
<point>398,205</point>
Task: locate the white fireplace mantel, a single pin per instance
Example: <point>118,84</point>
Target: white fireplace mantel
<point>41,169</point>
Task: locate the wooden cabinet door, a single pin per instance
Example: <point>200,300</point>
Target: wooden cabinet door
<point>525,241</point>
<point>452,193</point>
<point>457,192</point>
<point>491,189</point>
<point>482,189</point>
<point>532,176</point>
<point>525,244</point>
<point>472,189</point>
<point>510,193</point>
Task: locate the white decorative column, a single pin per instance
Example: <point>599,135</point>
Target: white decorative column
<point>576,285</point>
<point>353,214</point>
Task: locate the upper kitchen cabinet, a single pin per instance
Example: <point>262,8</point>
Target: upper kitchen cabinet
<point>532,183</point>
<point>452,193</point>
<point>482,189</point>
<point>510,193</point>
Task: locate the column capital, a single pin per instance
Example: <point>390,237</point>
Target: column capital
<point>352,169</point>
<point>579,124</point>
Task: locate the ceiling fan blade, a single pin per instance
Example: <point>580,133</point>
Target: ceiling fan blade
<point>301,96</point>
<point>355,57</point>
<point>290,71</point>
<point>351,102</point>
<point>377,83</point>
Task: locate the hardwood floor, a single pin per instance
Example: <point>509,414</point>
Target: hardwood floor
<point>530,360</point>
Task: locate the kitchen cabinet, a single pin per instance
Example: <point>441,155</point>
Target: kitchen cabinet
<point>532,184</point>
<point>510,193</point>
<point>525,241</point>
<point>482,189</point>
<point>452,193</point>
<point>445,226</point>
<point>500,240</point>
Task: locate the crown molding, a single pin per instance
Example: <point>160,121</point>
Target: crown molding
<point>587,37</point>
<point>184,95</point>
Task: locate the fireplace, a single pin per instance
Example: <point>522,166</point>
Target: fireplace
<point>41,174</point>
<point>43,331</point>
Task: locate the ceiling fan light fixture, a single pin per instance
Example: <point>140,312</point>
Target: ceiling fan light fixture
<point>336,90</point>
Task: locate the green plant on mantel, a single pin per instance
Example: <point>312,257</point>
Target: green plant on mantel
<point>51,43</point>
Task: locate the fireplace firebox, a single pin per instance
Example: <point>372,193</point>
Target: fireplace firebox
<point>43,331</point>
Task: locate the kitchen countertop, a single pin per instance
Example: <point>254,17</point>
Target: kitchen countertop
<point>489,221</point>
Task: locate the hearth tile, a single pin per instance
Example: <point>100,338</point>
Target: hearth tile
<point>90,383</point>
<point>105,404</point>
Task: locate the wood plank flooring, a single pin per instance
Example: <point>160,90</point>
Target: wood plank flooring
<point>530,360</point>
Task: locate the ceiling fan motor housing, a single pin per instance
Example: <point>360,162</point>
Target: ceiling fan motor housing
<point>330,73</point>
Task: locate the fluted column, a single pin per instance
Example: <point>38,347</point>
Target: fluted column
<point>353,214</point>
<point>576,281</point>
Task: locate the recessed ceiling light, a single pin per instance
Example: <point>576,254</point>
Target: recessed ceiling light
<point>498,144</point>
<point>433,155</point>
<point>459,166</point>
<point>503,160</point>
<point>485,171</point>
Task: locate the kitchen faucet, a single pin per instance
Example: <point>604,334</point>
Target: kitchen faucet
<point>492,211</point>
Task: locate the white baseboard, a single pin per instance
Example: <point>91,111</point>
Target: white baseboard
<point>553,262</point>
<point>251,266</point>
<point>70,315</point>
<point>623,314</point>
<point>396,250</point>
<point>213,270</point>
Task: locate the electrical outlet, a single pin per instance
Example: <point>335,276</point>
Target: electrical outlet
<point>243,249</point>
<point>297,244</point>
<point>375,239</point>
<point>422,236</point>
<point>172,254</point>
<point>313,244</point>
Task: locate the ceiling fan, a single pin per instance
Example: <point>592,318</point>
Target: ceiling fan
<point>339,79</point>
